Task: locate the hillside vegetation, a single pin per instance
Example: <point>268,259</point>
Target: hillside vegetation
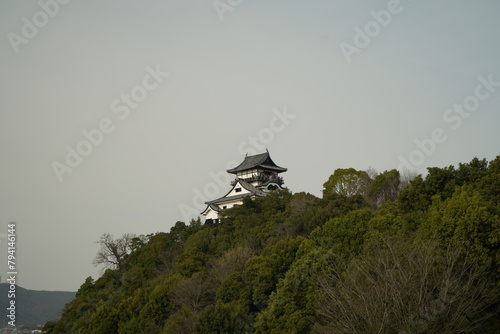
<point>376,254</point>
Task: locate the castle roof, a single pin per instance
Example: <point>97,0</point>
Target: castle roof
<point>215,204</point>
<point>252,192</point>
<point>262,161</point>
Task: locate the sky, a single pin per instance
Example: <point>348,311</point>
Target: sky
<point>122,116</point>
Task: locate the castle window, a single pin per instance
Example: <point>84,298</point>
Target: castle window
<point>237,190</point>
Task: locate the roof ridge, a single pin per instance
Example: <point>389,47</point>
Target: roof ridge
<point>248,186</point>
<point>254,161</point>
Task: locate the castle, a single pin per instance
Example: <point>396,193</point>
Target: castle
<point>256,176</point>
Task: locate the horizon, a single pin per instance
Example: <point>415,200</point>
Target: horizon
<point>18,286</point>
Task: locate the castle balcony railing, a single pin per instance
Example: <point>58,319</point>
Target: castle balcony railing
<point>261,179</point>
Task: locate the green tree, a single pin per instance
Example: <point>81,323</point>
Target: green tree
<point>292,307</point>
<point>224,318</point>
<point>346,182</point>
<point>418,195</point>
<point>489,184</point>
<point>345,235</point>
<point>385,187</point>
<point>263,272</point>
<point>465,218</point>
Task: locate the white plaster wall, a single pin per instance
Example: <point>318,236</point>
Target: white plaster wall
<point>233,191</point>
<point>211,214</point>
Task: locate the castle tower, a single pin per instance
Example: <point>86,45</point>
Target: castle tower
<point>256,176</point>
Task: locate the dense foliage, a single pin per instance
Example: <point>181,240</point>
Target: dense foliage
<point>376,254</point>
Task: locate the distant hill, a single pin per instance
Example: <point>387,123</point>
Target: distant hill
<point>35,307</point>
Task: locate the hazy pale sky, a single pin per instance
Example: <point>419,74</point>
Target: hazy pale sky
<point>322,84</point>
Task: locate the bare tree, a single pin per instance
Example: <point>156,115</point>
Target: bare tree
<point>372,173</point>
<point>401,287</point>
<point>231,262</point>
<point>407,176</point>
<point>193,293</point>
<point>113,251</point>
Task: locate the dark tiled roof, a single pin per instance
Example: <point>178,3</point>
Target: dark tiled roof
<point>215,207</point>
<point>263,161</point>
<point>232,198</point>
<point>251,188</point>
<point>253,192</point>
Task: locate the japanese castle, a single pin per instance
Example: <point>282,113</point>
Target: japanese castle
<point>256,176</point>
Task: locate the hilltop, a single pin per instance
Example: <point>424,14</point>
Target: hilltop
<point>377,253</point>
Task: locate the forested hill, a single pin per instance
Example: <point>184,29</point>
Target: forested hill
<point>373,255</point>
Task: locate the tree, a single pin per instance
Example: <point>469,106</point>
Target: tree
<point>490,183</point>
<point>291,308</point>
<point>230,262</point>
<point>406,176</point>
<point>385,187</point>
<point>345,235</point>
<point>193,293</point>
<point>466,218</point>
<point>113,252</point>
<point>399,286</point>
<point>262,273</point>
<point>224,318</point>
<point>346,182</point>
